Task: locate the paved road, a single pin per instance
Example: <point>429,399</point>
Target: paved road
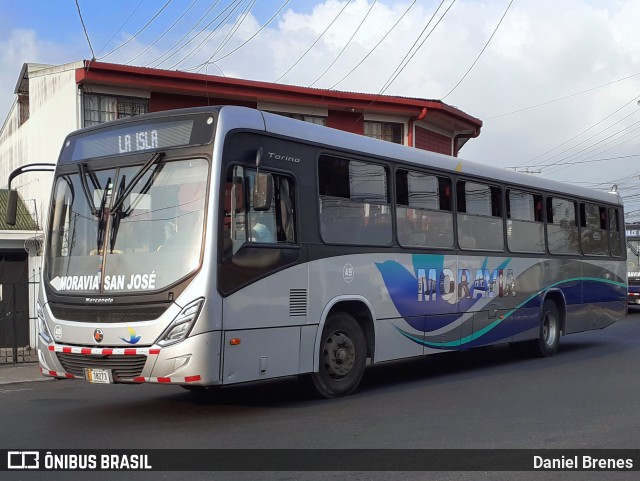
<point>588,396</point>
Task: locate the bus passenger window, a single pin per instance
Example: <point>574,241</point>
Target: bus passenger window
<point>480,225</point>
<point>614,233</point>
<point>525,230</point>
<point>423,210</point>
<point>562,228</point>
<point>354,202</point>
<point>593,222</point>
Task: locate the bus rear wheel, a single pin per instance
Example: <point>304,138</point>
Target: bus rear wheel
<point>548,334</point>
<point>549,337</point>
<point>343,355</point>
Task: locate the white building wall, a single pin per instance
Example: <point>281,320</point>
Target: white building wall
<point>53,114</point>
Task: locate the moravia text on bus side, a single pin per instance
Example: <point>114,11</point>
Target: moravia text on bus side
<point>220,245</point>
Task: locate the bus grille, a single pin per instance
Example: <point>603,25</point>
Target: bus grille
<point>104,314</point>
<point>123,367</point>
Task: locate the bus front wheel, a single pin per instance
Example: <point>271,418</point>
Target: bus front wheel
<point>343,355</point>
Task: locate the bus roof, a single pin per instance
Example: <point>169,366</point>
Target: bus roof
<point>233,117</point>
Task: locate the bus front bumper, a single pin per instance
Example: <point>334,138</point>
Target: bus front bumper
<point>193,361</point>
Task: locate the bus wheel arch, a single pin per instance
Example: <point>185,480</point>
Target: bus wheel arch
<point>345,343</point>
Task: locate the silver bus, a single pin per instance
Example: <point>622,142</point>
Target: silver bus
<point>221,245</point>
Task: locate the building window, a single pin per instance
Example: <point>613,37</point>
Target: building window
<point>105,108</point>
<point>389,131</point>
<point>312,119</point>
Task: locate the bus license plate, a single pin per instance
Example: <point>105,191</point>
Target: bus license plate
<point>98,376</point>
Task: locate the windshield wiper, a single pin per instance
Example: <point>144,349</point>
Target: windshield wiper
<point>124,192</point>
<point>85,187</point>
<point>102,219</point>
<point>117,215</point>
<point>143,170</point>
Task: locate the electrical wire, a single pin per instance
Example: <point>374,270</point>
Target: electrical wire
<point>86,34</point>
<point>235,28</point>
<point>176,46</point>
<point>528,162</point>
<point>481,52</point>
<point>250,38</point>
<point>121,27</point>
<point>165,33</point>
<point>236,5</point>
<point>375,46</point>
<point>346,44</point>
<point>138,32</point>
<point>561,98</point>
<point>315,42</point>
<point>409,56</point>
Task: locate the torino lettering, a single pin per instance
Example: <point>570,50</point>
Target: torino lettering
<point>486,284</point>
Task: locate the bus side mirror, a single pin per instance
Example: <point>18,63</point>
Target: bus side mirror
<point>12,208</point>
<point>262,192</point>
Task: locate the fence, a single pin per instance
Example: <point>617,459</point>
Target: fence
<point>18,328</point>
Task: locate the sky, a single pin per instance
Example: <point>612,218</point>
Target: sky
<point>556,84</point>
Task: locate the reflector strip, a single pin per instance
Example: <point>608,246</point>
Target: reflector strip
<point>168,380</point>
<point>105,351</point>
<point>57,374</point>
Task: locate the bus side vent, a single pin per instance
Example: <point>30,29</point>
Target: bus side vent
<point>298,302</point>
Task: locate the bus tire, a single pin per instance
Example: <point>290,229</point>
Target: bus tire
<point>343,355</point>
<point>549,335</point>
<point>548,338</point>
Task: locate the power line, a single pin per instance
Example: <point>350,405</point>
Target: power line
<point>250,38</point>
<point>562,98</point>
<point>138,32</point>
<point>526,162</point>
<point>235,28</point>
<point>408,56</point>
<point>316,41</point>
<point>165,32</point>
<point>375,46</point>
<point>346,44</point>
<point>481,52</point>
<point>93,55</point>
<point>121,26</point>
<point>236,5</point>
<point>165,56</point>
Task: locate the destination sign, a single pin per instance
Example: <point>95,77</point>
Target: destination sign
<point>129,138</point>
<point>633,232</point>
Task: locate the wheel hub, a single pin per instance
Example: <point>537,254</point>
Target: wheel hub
<point>339,355</point>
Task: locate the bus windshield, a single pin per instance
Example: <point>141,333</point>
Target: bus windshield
<point>127,229</point>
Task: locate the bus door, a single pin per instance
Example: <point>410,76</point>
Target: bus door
<point>259,276</point>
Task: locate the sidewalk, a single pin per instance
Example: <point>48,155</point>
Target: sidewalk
<point>23,372</point>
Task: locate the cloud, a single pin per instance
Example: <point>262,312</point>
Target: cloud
<point>542,51</point>
<point>21,46</point>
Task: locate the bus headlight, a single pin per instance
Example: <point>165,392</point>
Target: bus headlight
<point>43,330</point>
<point>181,326</point>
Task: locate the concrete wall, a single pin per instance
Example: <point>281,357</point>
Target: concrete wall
<point>53,113</point>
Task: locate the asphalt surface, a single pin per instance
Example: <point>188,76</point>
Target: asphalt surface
<point>587,397</point>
